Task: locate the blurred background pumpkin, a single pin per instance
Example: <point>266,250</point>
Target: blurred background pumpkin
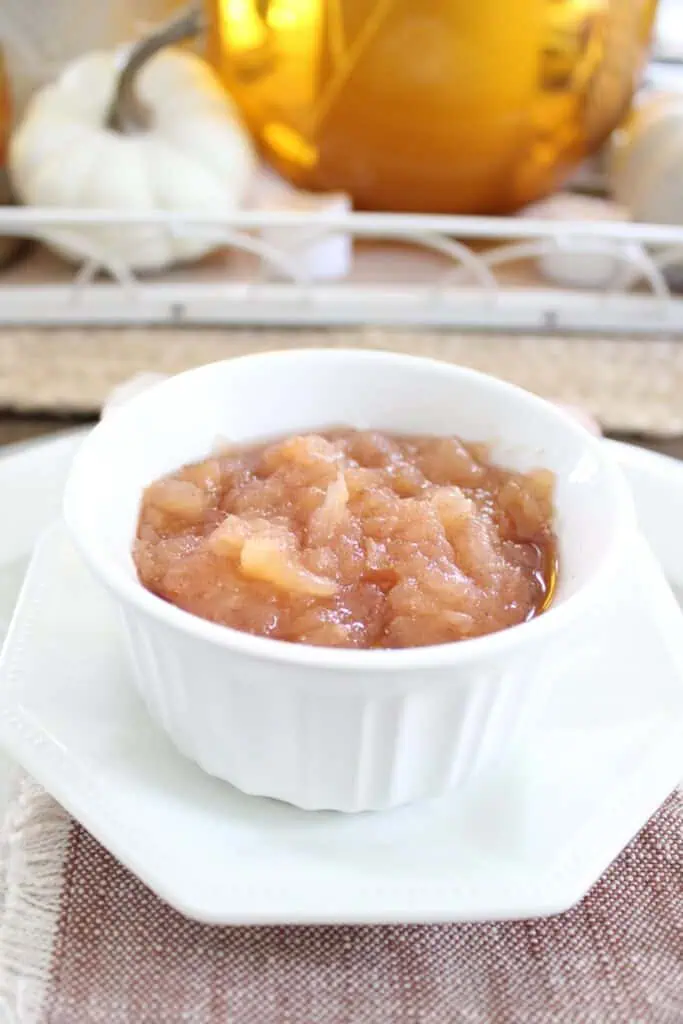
<point>465,106</point>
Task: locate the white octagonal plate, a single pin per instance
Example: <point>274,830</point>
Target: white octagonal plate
<point>528,839</point>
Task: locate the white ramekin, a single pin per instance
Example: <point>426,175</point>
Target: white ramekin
<point>324,728</point>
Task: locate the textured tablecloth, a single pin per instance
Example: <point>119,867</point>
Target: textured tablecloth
<point>630,385</point>
<point>83,942</point>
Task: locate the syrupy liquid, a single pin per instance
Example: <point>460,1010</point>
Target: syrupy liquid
<point>352,539</point>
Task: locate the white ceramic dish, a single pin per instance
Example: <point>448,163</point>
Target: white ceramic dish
<point>318,727</point>
<point>527,838</point>
<point>32,477</point>
<point>584,812</point>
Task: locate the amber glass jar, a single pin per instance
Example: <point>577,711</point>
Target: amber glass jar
<point>430,105</point>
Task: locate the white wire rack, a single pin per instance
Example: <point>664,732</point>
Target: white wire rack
<point>464,272</point>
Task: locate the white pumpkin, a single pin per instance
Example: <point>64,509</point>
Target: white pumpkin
<point>153,130</point>
<point>646,161</point>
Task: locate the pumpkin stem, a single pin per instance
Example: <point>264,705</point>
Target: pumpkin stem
<point>126,113</point>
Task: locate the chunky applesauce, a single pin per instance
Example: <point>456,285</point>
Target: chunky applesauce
<point>352,539</point>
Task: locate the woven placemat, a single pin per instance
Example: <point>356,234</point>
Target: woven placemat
<point>630,385</point>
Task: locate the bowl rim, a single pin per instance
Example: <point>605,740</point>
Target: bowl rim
<point>130,592</point>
